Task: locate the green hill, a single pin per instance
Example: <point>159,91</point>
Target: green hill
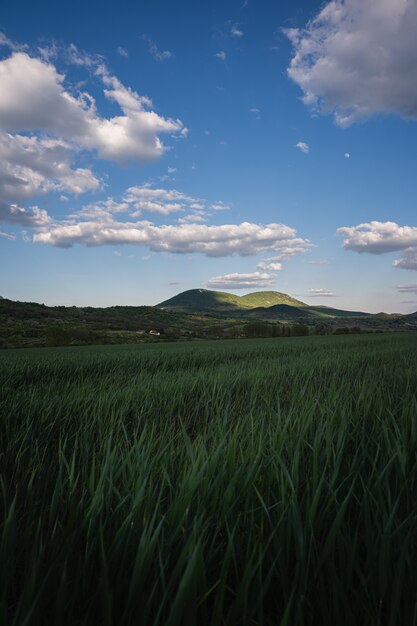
<point>332,312</point>
<point>219,302</point>
<point>283,312</point>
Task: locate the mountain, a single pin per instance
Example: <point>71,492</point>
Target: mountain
<point>221,303</point>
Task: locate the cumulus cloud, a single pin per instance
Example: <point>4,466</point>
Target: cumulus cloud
<point>383,237</point>
<point>378,237</point>
<point>15,214</point>
<point>240,281</point>
<point>347,155</point>
<point>31,166</point>
<point>358,58</point>
<point>304,147</point>
<point>214,241</point>
<point>163,201</point>
<point>221,55</point>
<point>46,125</point>
<point>33,98</point>
<point>269,266</point>
<point>408,261</point>
<point>321,293</point>
<point>158,55</point>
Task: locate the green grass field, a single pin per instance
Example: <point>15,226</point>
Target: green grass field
<point>228,483</point>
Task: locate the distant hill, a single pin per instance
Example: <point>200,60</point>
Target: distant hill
<point>332,312</point>
<point>219,302</point>
<point>196,314</point>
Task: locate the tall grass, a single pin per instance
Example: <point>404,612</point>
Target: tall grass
<point>233,483</point>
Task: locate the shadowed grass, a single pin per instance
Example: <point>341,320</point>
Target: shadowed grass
<point>252,482</point>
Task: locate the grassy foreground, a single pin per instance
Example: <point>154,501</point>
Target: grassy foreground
<point>233,483</point>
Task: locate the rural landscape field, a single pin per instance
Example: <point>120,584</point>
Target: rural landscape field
<point>268,481</point>
<point>208,313</point>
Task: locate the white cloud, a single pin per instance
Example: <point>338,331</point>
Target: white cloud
<point>45,127</point>
<point>15,214</point>
<point>163,201</point>
<point>214,241</point>
<point>9,236</point>
<point>122,52</point>
<point>358,58</point>
<point>221,55</point>
<point>158,55</point>
<point>408,261</point>
<point>236,31</point>
<point>193,218</point>
<point>347,155</point>
<point>269,267</point>
<point>31,166</point>
<point>33,98</point>
<point>240,281</point>
<point>219,205</point>
<point>304,147</point>
<point>321,293</point>
<point>378,237</point>
<point>383,237</point>
<point>172,170</point>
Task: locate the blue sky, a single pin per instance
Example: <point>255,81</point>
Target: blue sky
<point>151,148</point>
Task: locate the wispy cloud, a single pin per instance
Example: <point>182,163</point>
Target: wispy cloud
<point>122,52</point>
<point>236,31</point>
<point>410,288</point>
<point>9,236</point>
<point>155,52</point>
<point>221,55</point>
<point>321,293</point>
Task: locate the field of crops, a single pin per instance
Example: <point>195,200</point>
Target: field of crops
<point>227,483</point>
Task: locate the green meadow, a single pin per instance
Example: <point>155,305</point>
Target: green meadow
<point>245,482</point>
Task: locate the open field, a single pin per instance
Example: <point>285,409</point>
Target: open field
<point>228,483</point>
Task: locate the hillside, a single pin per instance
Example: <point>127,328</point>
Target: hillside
<point>209,314</point>
<point>219,302</point>
<point>332,312</point>
<point>283,312</point>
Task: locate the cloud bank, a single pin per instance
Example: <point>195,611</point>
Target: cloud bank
<point>214,241</point>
